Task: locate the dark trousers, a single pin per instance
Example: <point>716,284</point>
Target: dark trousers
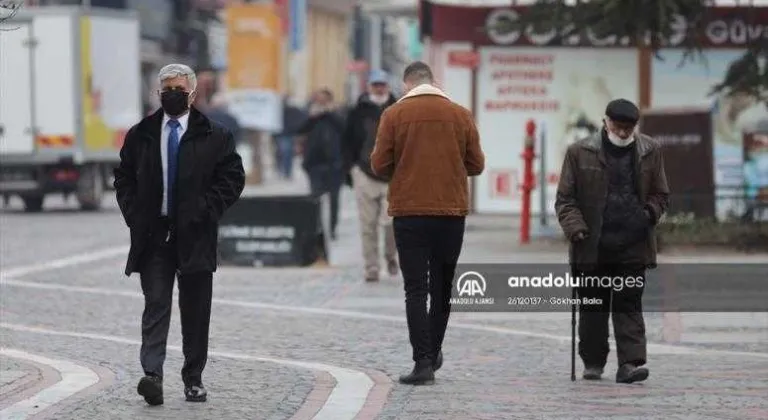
<point>626,309</point>
<point>326,179</point>
<point>195,291</point>
<point>429,248</point>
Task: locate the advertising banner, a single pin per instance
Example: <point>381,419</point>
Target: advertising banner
<point>686,137</point>
<point>557,88</point>
<point>732,115</point>
<point>254,50</point>
<point>110,83</point>
<point>297,23</point>
<point>756,173</point>
<point>274,231</point>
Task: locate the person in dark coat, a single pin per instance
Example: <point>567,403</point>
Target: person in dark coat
<point>285,141</point>
<point>219,113</point>
<point>370,190</point>
<point>612,192</point>
<point>178,173</point>
<point>322,158</point>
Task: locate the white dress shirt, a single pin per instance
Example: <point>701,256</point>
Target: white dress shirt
<point>165,131</point>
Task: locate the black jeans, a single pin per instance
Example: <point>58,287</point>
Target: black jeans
<point>195,292</point>
<point>327,179</point>
<point>429,248</point>
<point>626,309</point>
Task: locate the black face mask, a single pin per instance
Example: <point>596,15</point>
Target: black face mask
<point>174,102</point>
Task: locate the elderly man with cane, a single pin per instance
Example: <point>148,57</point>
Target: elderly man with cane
<point>612,192</point>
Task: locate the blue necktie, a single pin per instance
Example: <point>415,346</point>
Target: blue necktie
<point>173,158</point>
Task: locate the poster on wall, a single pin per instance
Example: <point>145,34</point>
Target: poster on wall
<point>756,173</point>
<point>556,87</point>
<point>690,86</point>
<point>503,184</point>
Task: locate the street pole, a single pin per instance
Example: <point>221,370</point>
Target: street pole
<point>543,176</point>
<point>528,156</point>
<point>375,41</point>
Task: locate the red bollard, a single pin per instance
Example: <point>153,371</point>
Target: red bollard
<point>528,156</point>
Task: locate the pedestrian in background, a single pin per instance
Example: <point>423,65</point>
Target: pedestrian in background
<point>285,141</point>
<point>178,173</point>
<point>427,146</point>
<point>321,150</point>
<point>612,192</point>
<point>219,112</point>
<point>370,189</point>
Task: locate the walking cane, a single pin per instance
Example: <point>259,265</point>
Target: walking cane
<point>573,334</point>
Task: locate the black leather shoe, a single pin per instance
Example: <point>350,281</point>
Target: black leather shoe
<point>422,374</point>
<point>629,373</point>
<point>195,393</point>
<point>151,388</point>
<point>438,361</point>
<point>593,373</point>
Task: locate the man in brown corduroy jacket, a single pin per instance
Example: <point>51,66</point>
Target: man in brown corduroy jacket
<point>427,146</point>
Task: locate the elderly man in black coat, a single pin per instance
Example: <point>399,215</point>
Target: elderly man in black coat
<point>178,173</point>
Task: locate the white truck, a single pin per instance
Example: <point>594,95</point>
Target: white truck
<point>70,88</point>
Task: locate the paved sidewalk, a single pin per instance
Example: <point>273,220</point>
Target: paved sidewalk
<point>320,343</point>
<point>15,377</point>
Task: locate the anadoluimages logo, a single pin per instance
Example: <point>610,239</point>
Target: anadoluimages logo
<point>471,287</point>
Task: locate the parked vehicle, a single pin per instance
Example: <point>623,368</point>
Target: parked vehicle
<point>70,87</point>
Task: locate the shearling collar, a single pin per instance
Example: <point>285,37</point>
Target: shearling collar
<point>425,89</point>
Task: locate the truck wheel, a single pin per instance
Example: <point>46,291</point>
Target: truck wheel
<point>90,188</point>
<point>33,203</point>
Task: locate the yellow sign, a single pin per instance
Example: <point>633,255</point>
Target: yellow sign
<point>254,47</point>
<point>98,135</point>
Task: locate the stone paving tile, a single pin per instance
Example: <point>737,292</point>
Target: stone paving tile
<point>237,389</point>
<point>486,375</point>
<point>12,370</point>
<point>341,289</point>
<point>59,232</point>
<point>503,374</point>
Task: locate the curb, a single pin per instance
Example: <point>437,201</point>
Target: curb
<point>106,380</point>
<point>40,378</point>
<point>324,384</point>
<point>377,397</point>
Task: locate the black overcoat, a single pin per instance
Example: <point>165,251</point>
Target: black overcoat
<point>210,179</point>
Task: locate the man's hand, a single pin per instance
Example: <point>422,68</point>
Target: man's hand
<point>649,216</point>
<point>579,236</point>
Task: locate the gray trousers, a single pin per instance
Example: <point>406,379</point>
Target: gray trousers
<point>372,208</point>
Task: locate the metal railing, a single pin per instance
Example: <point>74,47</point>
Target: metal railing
<point>730,204</point>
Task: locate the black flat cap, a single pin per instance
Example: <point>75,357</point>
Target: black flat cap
<point>622,110</point>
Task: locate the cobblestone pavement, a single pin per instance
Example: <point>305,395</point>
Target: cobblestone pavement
<point>267,321</point>
<point>15,377</point>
